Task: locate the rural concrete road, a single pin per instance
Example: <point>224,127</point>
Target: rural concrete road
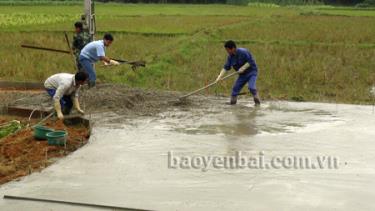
<point>155,163</point>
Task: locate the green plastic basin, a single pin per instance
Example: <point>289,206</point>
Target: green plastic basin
<point>40,132</point>
<point>57,138</point>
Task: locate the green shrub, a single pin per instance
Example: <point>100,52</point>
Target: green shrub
<point>366,3</point>
<point>238,2</point>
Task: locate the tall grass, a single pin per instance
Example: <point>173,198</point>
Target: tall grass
<point>313,57</point>
<point>39,2</point>
<point>289,2</point>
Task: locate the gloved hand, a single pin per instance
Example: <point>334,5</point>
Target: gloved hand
<point>81,111</point>
<point>60,116</point>
<point>58,109</point>
<point>77,106</point>
<point>222,73</point>
<point>114,62</point>
<point>243,68</point>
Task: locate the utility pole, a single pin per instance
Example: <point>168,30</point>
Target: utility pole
<point>89,18</point>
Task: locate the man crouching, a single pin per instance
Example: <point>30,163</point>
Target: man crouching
<point>64,89</point>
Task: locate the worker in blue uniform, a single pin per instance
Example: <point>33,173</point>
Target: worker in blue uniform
<point>241,60</point>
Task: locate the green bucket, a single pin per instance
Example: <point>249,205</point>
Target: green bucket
<point>57,138</point>
<point>40,132</point>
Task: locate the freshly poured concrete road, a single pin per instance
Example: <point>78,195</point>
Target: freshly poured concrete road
<point>127,164</point>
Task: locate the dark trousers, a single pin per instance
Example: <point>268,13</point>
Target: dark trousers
<point>249,78</point>
<point>65,102</point>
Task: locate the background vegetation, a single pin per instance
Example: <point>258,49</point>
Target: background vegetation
<point>360,3</point>
<point>314,53</point>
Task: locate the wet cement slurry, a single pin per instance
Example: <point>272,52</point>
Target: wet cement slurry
<point>126,161</point>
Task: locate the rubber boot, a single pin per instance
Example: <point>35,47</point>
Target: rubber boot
<point>233,100</point>
<point>91,84</point>
<point>256,100</point>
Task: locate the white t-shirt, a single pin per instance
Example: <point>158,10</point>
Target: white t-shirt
<point>64,84</point>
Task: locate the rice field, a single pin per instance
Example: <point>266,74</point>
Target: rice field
<point>313,53</point>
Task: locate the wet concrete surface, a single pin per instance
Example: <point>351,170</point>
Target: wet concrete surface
<point>126,162</point>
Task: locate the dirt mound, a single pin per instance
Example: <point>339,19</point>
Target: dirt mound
<point>106,97</point>
<point>9,97</point>
<point>115,98</point>
<point>21,154</point>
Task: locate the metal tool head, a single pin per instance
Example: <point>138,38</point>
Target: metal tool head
<point>137,64</point>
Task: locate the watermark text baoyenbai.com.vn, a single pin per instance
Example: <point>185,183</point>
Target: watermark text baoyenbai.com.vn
<point>251,160</point>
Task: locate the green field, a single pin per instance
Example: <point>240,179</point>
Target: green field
<point>313,53</point>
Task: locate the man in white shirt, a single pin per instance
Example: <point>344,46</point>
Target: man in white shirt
<point>93,52</point>
<point>64,89</point>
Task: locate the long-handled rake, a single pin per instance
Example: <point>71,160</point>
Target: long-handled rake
<point>207,86</point>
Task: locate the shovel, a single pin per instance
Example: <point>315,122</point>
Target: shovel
<point>134,64</point>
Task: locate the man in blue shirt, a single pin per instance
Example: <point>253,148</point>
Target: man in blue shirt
<point>242,61</point>
<point>93,52</point>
